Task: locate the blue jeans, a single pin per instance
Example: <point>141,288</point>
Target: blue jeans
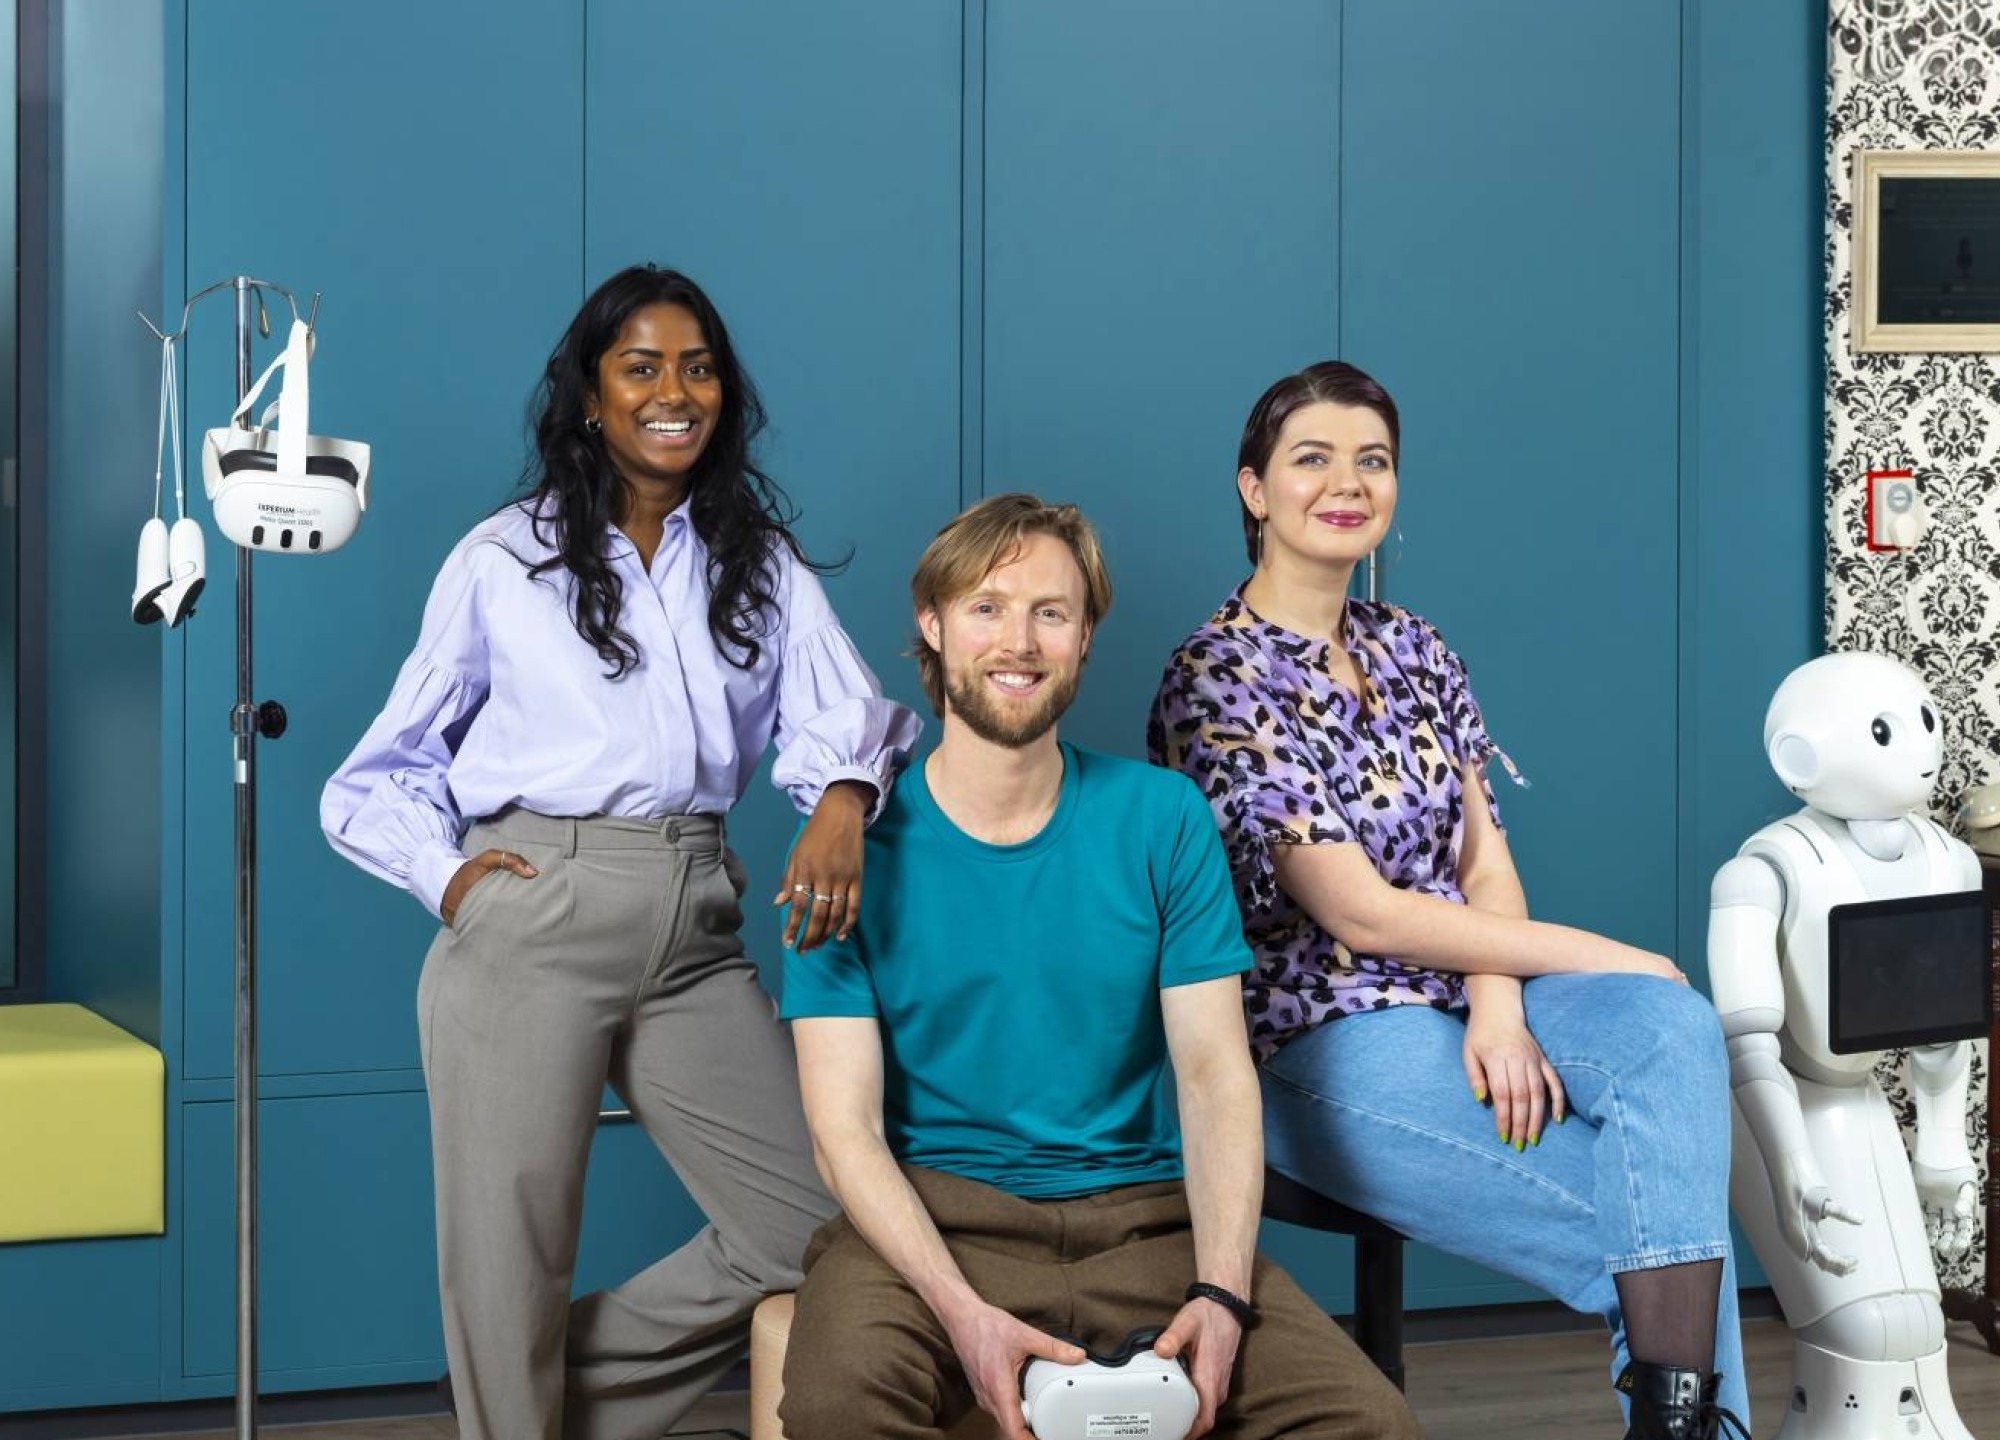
<point>1374,1110</point>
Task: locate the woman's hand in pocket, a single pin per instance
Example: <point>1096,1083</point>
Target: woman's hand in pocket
<point>473,871</point>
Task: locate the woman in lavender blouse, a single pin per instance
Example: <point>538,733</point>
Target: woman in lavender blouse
<point>1415,1028</point>
<point>601,666</point>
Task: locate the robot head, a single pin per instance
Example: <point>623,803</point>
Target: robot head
<point>1856,736</point>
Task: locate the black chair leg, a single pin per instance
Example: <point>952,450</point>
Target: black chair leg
<point>1378,1302</point>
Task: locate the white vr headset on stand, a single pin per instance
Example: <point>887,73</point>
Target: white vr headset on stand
<point>292,493</point>
<point>303,494</point>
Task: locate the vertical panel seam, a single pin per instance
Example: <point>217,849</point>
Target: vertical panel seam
<point>1340,182</point>
<point>1817,537</point>
<point>979,273</point>
<point>972,251</point>
<point>964,230</point>
<point>583,158</point>
<point>1687,480</point>
<point>979,309</point>
<point>180,652</point>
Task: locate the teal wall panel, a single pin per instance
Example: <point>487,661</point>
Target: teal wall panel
<point>442,218</point>
<point>348,1248</point>
<point>1323,1264</point>
<point>807,175</point>
<point>79,1323</point>
<point>634,1209</point>
<point>1162,232</point>
<point>1752,341</point>
<point>347,1262</point>
<point>100,853</point>
<point>1512,275</point>
<point>10,495</point>
<point>80,1320</point>
<point>1752,362</point>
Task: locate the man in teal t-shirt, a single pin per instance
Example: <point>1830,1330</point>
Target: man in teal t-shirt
<point>1023,1036</point>
<point>984,1055</point>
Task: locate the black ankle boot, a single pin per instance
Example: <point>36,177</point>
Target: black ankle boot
<point>1669,1404</point>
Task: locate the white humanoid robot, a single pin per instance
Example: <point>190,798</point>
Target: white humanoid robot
<point>1850,927</point>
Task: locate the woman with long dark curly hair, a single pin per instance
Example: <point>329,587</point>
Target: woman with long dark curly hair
<point>601,666</point>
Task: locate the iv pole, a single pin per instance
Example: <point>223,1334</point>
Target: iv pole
<point>247,721</point>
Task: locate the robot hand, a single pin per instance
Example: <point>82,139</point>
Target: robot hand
<point>1948,1197</point>
<point>1802,1207</point>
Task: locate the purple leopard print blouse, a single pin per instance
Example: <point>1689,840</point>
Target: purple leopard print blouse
<point>1287,756</point>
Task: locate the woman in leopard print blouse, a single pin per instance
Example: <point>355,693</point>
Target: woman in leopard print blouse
<point>1415,1028</point>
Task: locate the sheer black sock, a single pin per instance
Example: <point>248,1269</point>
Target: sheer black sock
<point>1670,1313</point>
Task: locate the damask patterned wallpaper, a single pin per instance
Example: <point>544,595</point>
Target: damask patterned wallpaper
<point>1916,75</point>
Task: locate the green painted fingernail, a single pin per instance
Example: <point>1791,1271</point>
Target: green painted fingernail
<point>1479,1095</point>
<point>1520,1145</point>
<point>1537,1139</point>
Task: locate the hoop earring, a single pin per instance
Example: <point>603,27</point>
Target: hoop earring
<point>592,425</point>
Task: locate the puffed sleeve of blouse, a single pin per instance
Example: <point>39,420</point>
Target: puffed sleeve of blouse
<point>1222,724</point>
<point>389,806</point>
<point>832,722</point>
<point>1458,712</point>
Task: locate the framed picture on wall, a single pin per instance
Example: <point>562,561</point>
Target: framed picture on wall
<point>1926,250</point>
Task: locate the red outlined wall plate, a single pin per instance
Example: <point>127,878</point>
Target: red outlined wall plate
<point>1869,529</point>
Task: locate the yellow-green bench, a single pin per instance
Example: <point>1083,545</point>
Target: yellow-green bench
<point>82,1144</point>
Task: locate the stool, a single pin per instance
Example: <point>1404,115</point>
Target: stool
<point>770,1333</point>
<point>1378,1265</point>
<point>82,1127</point>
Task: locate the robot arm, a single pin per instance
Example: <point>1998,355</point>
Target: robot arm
<point>1940,1076</point>
<point>1947,1183</point>
<point>1745,906</point>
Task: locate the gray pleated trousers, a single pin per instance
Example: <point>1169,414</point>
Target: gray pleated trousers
<point>618,963</point>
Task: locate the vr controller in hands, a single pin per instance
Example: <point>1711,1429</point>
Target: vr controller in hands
<point>1128,1393</point>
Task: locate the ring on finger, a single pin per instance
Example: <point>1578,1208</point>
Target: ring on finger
<point>829,896</point>
<point>803,889</point>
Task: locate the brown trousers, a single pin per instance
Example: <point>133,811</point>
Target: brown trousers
<point>868,1360</point>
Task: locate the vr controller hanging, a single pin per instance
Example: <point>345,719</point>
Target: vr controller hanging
<point>293,493</point>
<point>173,564</point>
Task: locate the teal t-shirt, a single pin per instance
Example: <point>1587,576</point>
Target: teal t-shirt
<point>1017,987</point>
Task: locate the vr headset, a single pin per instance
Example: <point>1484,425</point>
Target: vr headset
<point>292,492</point>
<point>1129,1393</point>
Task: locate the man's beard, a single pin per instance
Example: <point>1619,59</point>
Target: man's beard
<point>984,716</point>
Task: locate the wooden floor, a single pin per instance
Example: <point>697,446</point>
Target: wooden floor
<point>1556,1386</point>
<point>1549,1387</point>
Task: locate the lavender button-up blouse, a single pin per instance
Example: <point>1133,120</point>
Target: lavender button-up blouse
<point>503,703</point>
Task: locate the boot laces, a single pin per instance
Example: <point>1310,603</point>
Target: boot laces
<point>1718,1420</point>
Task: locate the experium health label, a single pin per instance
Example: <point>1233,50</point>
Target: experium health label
<point>1126,1423</point>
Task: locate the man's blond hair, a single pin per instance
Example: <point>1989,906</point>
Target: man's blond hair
<point>982,539</point>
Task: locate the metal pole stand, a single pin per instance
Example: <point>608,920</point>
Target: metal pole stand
<point>248,720</point>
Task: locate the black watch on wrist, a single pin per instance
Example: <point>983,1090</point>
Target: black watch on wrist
<point>1245,1313</point>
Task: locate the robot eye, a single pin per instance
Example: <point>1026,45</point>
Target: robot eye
<point>1930,718</point>
<point>1880,730</point>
